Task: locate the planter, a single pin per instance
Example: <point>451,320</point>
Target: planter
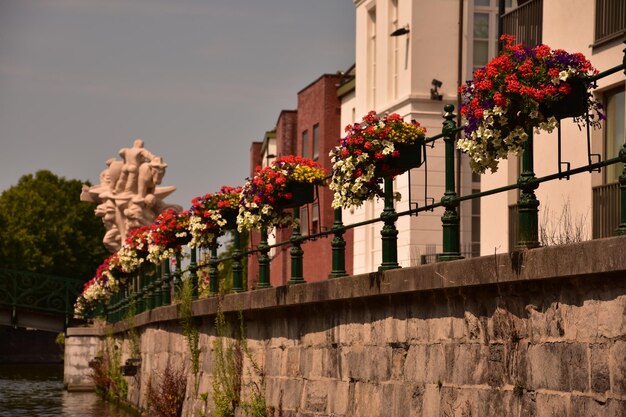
<point>130,367</point>
<point>230,215</point>
<point>410,157</point>
<point>303,193</point>
<point>572,105</point>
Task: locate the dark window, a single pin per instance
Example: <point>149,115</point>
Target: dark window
<point>305,144</point>
<point>304,220</point>
<point>316,142</point>
<point>315,218</point>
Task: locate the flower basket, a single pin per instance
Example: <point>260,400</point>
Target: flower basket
<point>168,233</point>
<point>302,193</point>
<point>520,91</point>
<point>377,147</point>
<point>212,215</point>
<point>410,157</point>
<point>573,104</point>
<point>289,182</point>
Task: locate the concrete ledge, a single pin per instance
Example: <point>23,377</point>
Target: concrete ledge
<point>85,331</point>
<point>586,260</point>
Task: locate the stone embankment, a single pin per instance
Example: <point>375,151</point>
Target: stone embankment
<point>534,333</point>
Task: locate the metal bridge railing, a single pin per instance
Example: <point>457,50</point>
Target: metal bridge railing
<point>155,287</point>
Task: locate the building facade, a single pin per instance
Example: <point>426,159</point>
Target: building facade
<point>310,131</point>
<point>586,205</point>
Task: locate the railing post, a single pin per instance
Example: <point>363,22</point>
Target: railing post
<point>178,273</point>
<point>450,219</point>
<point>237,267</point>
<point>157,294</point>
<point>139,292</point>
<point>338,247</point>
<point>389,232</point>
<point>213,271</point>
<point>528,203</point>
<point>296,250</point>
<point>621,228</point>
<point>145,285</point>
<point>193,272</point>
<point>264,261</point>
<point>166,289</point>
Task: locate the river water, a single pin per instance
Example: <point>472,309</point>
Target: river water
<point>37,391</point>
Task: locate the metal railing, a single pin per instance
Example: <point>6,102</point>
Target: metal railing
<point>525,23</point>
<point>155,287</point>
<point>38,292</point>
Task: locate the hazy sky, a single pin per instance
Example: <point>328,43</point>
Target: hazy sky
<point>198,80</point>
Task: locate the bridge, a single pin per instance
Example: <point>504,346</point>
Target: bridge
<point>37,301</point>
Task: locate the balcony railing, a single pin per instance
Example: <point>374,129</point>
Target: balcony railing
<point>153,289</point>
<point>525,22</point>
<point>606,210</point>
<point>610,20</point>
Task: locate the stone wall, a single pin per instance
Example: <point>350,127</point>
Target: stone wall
<point>82,344</point>
<point>536,333</point>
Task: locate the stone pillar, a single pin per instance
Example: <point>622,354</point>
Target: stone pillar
<point>82,344</point>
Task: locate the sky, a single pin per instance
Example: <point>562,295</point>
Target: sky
<point>197,80</point>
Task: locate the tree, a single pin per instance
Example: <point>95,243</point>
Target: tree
<point>45,228</point>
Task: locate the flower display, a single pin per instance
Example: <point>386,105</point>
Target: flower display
<point>265,195</point>
<point>211,214</point>
<point>368,147</point>
<point>100,288</point>
<point>167,234</point>
<point>515,92</point>
<point>135,249</point>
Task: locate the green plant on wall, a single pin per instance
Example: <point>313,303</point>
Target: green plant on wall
<point>106,374</point>
<point>228,357</point>
<point>166,392</point>
<point>131,332</point>
<point>190,327</point>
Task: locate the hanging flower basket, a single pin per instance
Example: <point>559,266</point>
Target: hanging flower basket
<point>212,215</point>
<point>289,182</point>
<point>521,90</point>
<point>573,104</point>
<point>168,233</point>
<point>376,148</point>
<point>410,156</point>
<point>301,194</point>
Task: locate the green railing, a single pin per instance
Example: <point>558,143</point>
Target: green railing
<point>20,290</point>
<point>156,287</point>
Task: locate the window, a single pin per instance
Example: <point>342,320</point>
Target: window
<point>304,220</point>
<point>610,20</point>
<point>394,52</point>
<point>484,45</point>
<point>315,218</point>
<point>305,144</point>
<point>614,132</point>
<point>316,142</point>
<point>371,57</point>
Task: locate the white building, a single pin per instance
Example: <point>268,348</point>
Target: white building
<point>586,205</point>
<point>445,41</point>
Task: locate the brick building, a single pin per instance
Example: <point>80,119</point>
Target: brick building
<point>310,131</point>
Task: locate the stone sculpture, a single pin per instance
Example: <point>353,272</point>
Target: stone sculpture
<point>129,195</point>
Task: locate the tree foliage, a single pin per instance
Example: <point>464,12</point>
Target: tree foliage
<point>45,228</point>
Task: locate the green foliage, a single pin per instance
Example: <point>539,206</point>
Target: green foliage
<point>167,394</point>
<point>188,324</point>
<point>228,357</point>
<point>106,373</point>
<point>44,227</point>
<point>131,332</point>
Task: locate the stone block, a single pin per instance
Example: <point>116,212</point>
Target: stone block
<point>611,317</point>
<point>496,369</point>
<point>417,331</point>
<point>292,365</point>
<point>463,364</point>
<point>425,364</point>
<point>331,363</point>
<point>366,363</point>
<point>552,405</point>
<point>398,358</point>
<point>600,377</point>
<point>617,361</point>
<point>315,396</point>
<point>559,366</point>
<point>367,400</point>
<point>592,407</point>
<point>311,363</point>
<point>338,397</point>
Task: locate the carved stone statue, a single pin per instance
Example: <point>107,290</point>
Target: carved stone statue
<point>129,195</point>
